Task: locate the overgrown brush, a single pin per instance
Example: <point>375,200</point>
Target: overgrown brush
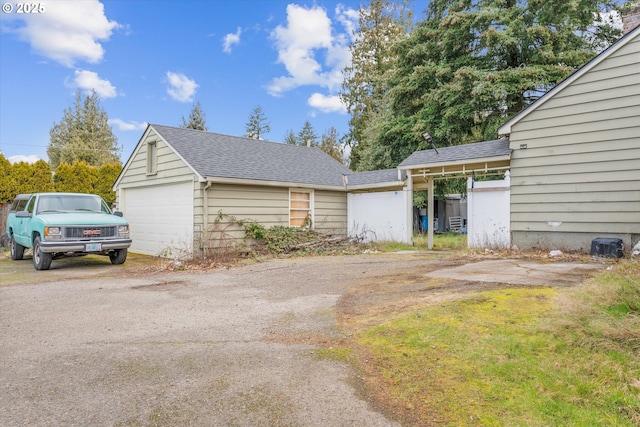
<point>285,240</point>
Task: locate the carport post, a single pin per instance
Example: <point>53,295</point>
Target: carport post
<point>430,217</point>
<point>409,207</point>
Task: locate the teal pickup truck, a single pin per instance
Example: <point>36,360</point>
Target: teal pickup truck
<point>59,224</point>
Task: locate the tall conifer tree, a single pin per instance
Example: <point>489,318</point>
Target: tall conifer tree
<point>83,134</point>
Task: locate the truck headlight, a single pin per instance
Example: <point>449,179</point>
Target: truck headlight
<point>123,230</point>
<point>52,232</point>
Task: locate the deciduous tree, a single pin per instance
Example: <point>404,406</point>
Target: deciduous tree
<point>331,145</point>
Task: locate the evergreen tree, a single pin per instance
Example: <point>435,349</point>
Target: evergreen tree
<point>31,178</point>
<point>196,119</point>
<point>290,138</point>
<point>83,134</point>
<point>7,185</point>
<point>79,177</point>
<point>364,91</point>
<point>106,176</point>
<point>257,126</point>
<point>307,136</point>
<point>471,65</point>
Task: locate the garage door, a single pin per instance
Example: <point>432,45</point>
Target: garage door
<point>161,219</point>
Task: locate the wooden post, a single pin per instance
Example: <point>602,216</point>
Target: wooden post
<point>430,216</point>
<point>409,207</point>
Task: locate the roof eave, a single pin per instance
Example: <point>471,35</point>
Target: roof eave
<point>494,159</point>
<point>257,182</point>
<point>376,186</point>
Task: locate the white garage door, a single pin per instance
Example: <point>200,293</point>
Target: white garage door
<point>161,219</point>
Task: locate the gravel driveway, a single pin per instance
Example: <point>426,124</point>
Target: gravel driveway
<point>92,344</point>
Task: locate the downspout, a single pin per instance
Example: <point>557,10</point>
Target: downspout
<point>205,216</point>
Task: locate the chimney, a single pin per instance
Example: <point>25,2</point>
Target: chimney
<point>630,18</point>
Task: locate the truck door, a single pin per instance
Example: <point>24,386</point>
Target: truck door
<point>22,232</point>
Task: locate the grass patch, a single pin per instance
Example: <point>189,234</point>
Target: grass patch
<point>441,242</point>
<point>338,354</point>
<point>527,356</point>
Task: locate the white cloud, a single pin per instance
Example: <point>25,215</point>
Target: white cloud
<point>32,158</point>
<point>88,81</point>
<point>349,19</point>
<point>181,88</point>
<point>128,126</point>
<point>326,104</point>
<point>68,31</point>
<point>230,40</point>
<point>308,36</point>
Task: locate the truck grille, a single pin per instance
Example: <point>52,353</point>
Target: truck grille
<point>90,233</point>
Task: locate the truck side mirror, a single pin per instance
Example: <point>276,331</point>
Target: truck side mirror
<point>23,214</point>
<point>118,213</point>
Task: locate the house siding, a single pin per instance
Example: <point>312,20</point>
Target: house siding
<point>579,176</point>
<point>268,206</point>
<point>330,212</point>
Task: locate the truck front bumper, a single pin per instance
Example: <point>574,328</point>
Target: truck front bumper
<point>84,246</point>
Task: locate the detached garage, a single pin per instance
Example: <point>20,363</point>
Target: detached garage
<point>178,182</point>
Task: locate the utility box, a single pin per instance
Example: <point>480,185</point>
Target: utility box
<point>607,247</point>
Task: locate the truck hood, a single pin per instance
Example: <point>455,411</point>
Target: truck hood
<point>81,218</point>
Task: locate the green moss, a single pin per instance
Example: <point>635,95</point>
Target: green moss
<point>512,357</point>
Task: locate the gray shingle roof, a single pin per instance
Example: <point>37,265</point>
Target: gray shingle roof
<point>215,155</point>
<point>478,150</point>
<point>374,177</point>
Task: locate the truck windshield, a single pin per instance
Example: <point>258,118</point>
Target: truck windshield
<point>52,203</point>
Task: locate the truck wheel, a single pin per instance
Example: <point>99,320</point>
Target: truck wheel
<point>119,256</point>
<point>16,249</point>
<point>41,260</point>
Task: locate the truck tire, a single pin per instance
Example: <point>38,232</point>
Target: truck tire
<point>118,256</point>
<point>16,249</point>
<point>41,260</point>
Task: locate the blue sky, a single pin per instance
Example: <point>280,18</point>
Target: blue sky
<point>150,61</point>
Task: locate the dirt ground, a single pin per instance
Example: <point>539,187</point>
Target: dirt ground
<point>88,343</point>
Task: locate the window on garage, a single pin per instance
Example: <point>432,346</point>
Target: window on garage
<point>300,207</point>
<point>152,158</point>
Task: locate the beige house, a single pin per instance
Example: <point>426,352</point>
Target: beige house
<point>180,187</point>
<point>574,160</point>
<point>575,164</point>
